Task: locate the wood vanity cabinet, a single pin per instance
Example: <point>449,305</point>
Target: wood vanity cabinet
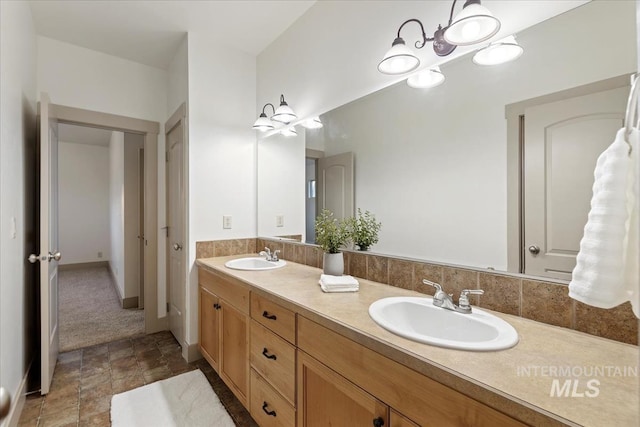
<point>290,371</point>
<point>328,399</point>
<point>224,330</point>
<point>357,379</point>
<point>209,331</point>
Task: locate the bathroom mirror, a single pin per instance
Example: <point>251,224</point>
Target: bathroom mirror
<point>433,164</point>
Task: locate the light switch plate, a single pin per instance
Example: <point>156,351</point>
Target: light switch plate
<point>226,221</point>
<point>279,220</point>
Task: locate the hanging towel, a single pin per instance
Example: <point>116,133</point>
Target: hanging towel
<point>330,283</point>
<point>606,272</point>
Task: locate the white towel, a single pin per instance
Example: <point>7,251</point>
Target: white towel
<point>351,288</point>
<point>606,272</point>
<point>330,283</point>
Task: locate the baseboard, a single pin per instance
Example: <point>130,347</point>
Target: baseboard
<point>83,265</point>
<point>131,302</point>
<point>17,405</point>
<point>191,352</point>
<point>114,283</point>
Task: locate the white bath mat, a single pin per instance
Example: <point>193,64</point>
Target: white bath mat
<point>184,400</point>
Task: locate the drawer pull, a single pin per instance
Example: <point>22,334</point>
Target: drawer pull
<point>217,306</point>
<point>268,316</point>
<point>378,422</point>
<point>264,408</point>
<point>267,355</point>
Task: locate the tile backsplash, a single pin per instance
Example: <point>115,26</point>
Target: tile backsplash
<point>539,300</point>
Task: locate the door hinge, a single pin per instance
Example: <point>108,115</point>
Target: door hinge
<point>168,307</point>
<point>166,156</point>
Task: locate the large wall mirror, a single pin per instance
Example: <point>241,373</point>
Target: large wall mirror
<point>440,167</point>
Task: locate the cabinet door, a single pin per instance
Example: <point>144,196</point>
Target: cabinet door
<point>209,333</point>
<point>234,351</point>
<point>327,399</point>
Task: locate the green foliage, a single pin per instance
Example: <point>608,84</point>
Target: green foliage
<point>331,234</point>
<point>364,230</point>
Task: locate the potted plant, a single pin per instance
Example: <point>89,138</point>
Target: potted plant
<point>364,230</point>
<point>331,235</point>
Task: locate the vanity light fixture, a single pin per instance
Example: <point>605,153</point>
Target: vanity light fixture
<point>473,24</point>
<point>427,78</point>
<point>499,52</point>
<point>284,113</point>
<point>312,123</point>
<point>289,131</point>
<point>263,123</point>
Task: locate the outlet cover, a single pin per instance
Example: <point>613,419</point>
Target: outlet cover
<point>279,220</point>
<point>226,221</point>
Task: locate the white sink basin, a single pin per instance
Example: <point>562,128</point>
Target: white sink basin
<point>254,263</point>
<point>418,319</point>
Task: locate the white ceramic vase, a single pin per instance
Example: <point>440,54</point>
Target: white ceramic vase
<point>333,264</point>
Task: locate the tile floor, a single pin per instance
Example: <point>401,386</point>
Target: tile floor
<point>85,380</point>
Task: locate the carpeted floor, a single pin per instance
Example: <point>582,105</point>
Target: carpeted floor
<point>90,312</point>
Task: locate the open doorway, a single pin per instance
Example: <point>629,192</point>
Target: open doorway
<point>101,235</point>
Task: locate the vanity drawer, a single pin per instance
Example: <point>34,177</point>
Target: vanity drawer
<point>275,317</point>
<point>268,408</point>
<point>274,359</point>
<point>233,291</point>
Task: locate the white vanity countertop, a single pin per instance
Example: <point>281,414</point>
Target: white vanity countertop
<point>517,381</point>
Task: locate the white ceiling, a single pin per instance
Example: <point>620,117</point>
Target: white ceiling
<point>149,32</point>
<point>83,135</point>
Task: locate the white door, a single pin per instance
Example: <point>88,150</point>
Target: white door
<point>49,255</point>
<point>175,223</point>
<point>141,227</point>
<point>562,143</point>
<point>335,184</point>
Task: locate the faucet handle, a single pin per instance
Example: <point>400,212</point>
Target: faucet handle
<point>466,292</point>
<point>274,256</point>
<point>463,302</point>
<point>434,284</point>
<point>267,250</point>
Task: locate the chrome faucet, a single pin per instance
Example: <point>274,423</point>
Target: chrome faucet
<point>270,256</point>
<point>444,300</point>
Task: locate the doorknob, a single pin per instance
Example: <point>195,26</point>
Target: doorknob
<point>176,247</point>
<point>5,402</point>
<point>33,258</point>
<point>56,256</point>
<point>534,249</point>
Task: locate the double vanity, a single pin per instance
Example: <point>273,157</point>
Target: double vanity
<point>294,355</point>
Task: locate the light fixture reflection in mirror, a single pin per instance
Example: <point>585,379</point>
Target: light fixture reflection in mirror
<point>425,79</point>
<point>312,123</point>
<point>500,52</point>
<point>290,131</point>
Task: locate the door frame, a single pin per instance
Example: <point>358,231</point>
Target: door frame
<point>180,117</point>
<point>514,113</point>
<point>150,131</point>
